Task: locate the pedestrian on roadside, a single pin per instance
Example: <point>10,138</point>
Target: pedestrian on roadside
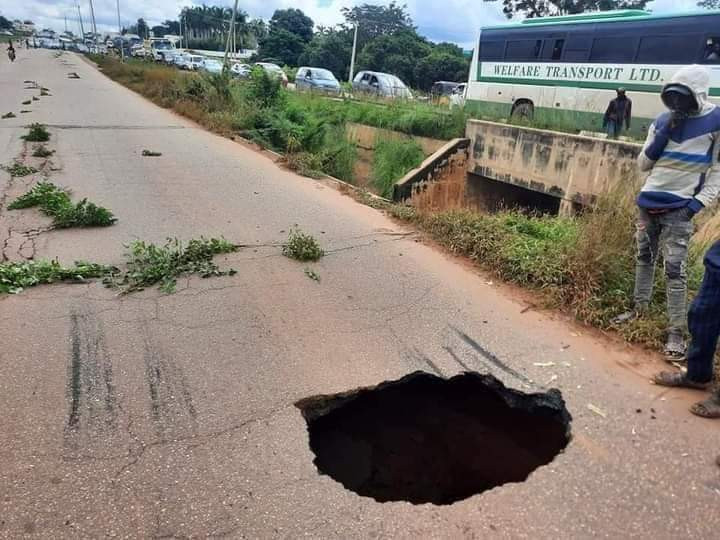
<point>704,325</point>
<point>11,51</point>
<point>681,156</point>
<point>619,112</point>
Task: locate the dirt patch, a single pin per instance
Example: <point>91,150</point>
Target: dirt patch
<point>426,439</point>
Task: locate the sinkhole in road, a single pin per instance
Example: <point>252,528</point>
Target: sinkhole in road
<point>427,439</point>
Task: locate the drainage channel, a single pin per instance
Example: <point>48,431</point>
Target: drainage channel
<point>426,439</point>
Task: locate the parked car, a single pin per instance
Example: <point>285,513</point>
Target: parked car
<point>242,71</point>
<point>180,58</point>
<point>314,79</point>
<point>171,57</point>
<point>381,85</point>
<point>274,70</point>
<point>192,62</point>
<point>212,66</point>
<point>443,88</point>
<point>138,51</point>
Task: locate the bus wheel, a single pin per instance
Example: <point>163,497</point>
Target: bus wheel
<point>523,109</point>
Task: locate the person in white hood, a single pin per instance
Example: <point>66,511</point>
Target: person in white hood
<point>681,156</point>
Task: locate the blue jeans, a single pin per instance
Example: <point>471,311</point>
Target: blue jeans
<point>704,326</point>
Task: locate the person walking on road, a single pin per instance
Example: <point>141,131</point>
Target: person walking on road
<point>619,112</point>
<point>704,325</point>
<point>681,156</point>
<point>11,51</point>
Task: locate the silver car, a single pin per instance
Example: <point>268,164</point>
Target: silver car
<point>312,79</point>
<point>381,85</point>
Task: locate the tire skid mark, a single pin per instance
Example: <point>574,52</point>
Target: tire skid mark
<point>93,410</point>
<point>171,404</point>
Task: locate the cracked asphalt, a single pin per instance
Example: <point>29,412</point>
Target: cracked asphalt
<point>166,416</point>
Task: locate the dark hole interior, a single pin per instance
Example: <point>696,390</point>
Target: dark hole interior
<point>425,439</point>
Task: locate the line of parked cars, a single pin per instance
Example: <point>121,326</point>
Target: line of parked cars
<point>308,78</point>
<point>196,62</point>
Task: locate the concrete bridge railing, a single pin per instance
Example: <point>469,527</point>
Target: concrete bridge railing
<point>573,168</point>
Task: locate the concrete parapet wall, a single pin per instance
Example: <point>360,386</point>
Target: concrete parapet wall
<point>434,168</point>
<point>573,168</point>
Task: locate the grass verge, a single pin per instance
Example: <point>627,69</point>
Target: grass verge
<point>55,202</point>
<point>581,265</point>
<point>309,129</point>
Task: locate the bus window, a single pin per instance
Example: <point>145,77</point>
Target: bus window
<point>492,50</point>
<point>577,48</point>
<point>523,49</point>
<point>553,49</point>
<point>615,49</point>
<point>712,51</point>
<point>667,50</point>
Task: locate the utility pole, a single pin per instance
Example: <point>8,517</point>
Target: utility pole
<point>66,24</point>
<point>94,26</point>
<point>352,57</point>
<point>122,44</point>
<point>230,33</point>
<point>82,29</point>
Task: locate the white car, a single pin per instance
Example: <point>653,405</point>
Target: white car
<point>192,62</point>
<point>241,70</point>
<point>179,59</point>
<point>275,70</point>
<point>138,51</point>
<point>212,66</point>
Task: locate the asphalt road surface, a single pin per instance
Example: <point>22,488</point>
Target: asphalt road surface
<point>153,415</point>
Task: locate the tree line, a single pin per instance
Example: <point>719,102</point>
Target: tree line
<point>387,41</point>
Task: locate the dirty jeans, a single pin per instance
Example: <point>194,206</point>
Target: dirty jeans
<point>667,234</point>
<point>704,324</point>
<point>613,128</point>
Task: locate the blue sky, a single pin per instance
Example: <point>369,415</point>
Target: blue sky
<point>445,20</point>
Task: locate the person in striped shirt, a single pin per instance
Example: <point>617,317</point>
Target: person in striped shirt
<point>681,158</point>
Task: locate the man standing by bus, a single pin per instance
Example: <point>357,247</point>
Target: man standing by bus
<point>618,113</point>
<point>681,156</point>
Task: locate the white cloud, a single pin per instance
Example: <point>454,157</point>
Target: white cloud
<point>446,20</point>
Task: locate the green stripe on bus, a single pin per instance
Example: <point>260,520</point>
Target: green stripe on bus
<point>585,84</point>
<point>574,84</point>
<point>553,119</point>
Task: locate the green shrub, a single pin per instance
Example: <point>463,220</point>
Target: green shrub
<point>18,169</point>
<point>37,133</point>
<point>42,152</point>
<point>16,276</point>
<point>55,202</point>
<point>150,264</point>
<point>302,247</point>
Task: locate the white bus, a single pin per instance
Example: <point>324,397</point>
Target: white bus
<point>565,70</point>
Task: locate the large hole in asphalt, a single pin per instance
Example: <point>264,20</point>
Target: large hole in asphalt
<point>425,439</point>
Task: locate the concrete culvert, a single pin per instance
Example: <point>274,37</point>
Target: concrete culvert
<point>425,439</point>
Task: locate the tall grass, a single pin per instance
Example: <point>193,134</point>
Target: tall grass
<point>583,265</point>
<point>391,160</point>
